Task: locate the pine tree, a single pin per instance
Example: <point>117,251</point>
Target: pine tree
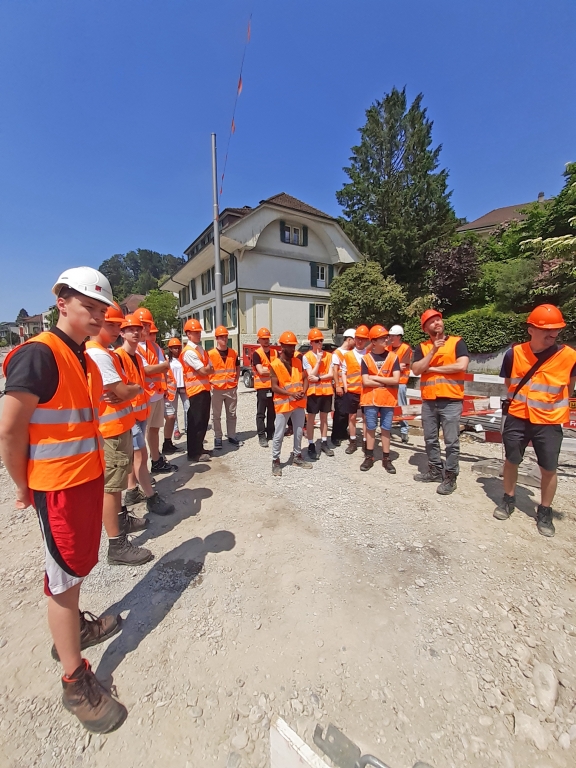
<point>397,204</point>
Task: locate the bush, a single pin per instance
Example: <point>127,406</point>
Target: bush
<point>361,294</point>
<point>569,312</point>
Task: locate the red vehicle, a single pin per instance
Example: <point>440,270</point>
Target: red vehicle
<point>246,362</point>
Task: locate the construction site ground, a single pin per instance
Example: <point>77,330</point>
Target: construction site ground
<point>416,623</point>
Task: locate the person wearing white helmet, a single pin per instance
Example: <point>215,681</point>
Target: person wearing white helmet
<point>51,445</point>
<point>403,352</point>
<point>340,418</point>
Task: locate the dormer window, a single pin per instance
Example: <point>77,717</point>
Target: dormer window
<point>293,234</point>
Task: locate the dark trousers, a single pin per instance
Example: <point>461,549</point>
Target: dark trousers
<point>340,421</point>
<point>265,414</point>
<point>198,418</point>
<point>446,414</point>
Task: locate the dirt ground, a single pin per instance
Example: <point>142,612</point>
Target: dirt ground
<point>415,623</point>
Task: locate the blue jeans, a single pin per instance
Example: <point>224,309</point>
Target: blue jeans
<point>403,400</point>
<point>371,414</point>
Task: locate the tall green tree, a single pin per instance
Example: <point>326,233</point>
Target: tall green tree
<point>138,271</point>
<point>397,204</point>
<point>361,294</point>
<point>164,308</point>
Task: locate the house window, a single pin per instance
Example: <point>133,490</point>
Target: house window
<point>207,281</point>
<point>321,275</point>
<point>184,297</point>
<point>319,316</point>
<point>193,288</point>
<point>196,316</point>
<point>208,319</point>
<point>229,270</point>
<point>294,235</point>
<point>230,313</point>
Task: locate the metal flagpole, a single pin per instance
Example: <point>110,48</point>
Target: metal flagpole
<point>217,265</point>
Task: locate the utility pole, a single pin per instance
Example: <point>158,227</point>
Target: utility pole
<point>217,265</point>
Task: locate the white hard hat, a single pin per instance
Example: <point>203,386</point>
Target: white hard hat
<point>88,281</point>
<point>396,330</point>
<point>350,333</point>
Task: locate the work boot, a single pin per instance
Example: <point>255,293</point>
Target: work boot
<point>388,466</point>
<point>169,447</point>
<point>276,468</point>
<point>162,466</point>
<point>544,521</point>
<point>432,475</point>
<point>263,442</point>
<point>325,449</point>
<point>134,496</point>
<point>94,630</point>
<point>84,696</point>
<point>448,485</point>
<point>217,443</point>
<point>505,509</point>
<point>158,506</point>
<point>204,456</point>
<point>130,523</point>
<point>367,464</point>
<point>298,461</point>
<point>312,455</point>
<point>122,552</point>
<point>235,441</point>
<point>352,447</point>
<point>335,442</point>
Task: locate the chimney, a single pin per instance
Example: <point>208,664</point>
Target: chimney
<point>540,197</point>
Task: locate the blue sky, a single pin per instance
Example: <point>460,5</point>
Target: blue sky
<point>106,110</point>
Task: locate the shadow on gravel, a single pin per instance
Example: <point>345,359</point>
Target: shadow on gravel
<point>525,501</point>
<point>152,598</point>
<point>419,458</point>
<point>188,503</point>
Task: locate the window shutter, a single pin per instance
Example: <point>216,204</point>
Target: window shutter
<point>312,315</point>
<point>330,273</point>
<point>329,321</point>
<point>313,274</point>
<point>304,235</point>
<point>282,225</point>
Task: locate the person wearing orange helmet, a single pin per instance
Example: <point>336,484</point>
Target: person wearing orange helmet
<point>197,371</point>
<point>540,376</point>
<point>174,352</point>
<point>318,365</point>
<point>441,363</point>
<point>339,418</point>
<point>224,383</point>
<point>265,413</point>
<point>352,380</point>
<point>289,383</point>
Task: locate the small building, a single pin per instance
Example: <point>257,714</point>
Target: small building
<point>32,325</point>
<point>489,222</point>
<point>131,303</point>
<point>278,260</point>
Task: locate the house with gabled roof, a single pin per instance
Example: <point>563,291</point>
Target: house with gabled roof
<point>278,260</point>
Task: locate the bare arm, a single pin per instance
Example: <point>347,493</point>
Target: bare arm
<point>377,381</point>
<point>159,368</point>
<point>124,391</point>
<point>15,443</point>
<point>460,366</point>
<point>304,385</point>
<point>421,366</point>
<point>337,379</point>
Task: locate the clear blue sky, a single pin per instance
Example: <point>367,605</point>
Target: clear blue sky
<point>106,109</point>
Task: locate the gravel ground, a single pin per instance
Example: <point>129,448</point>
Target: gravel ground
<point>417,624</point>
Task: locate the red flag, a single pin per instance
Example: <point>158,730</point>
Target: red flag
<point>233,127</point>
<point>240,85</point>
<point>249,30</point>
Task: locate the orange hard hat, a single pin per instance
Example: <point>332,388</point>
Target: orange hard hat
<point>144,315</point>
<point>221,331</point>
<point>362,332</point>
<point>315,335</point>
<point>131,321</point>
<point>546,316</point>
<point>428,315</point>
<point>192,325</point>
<point>263,333</point>
<point>377,332</point>
<point>174,342</point>
<point>288,338</point>
<point>153,328</point>
<point>114,314</point>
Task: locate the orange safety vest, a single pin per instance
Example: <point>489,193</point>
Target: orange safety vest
<point>435,385</point>
<point>171,386</point>
<point>135,375</point>
<point>224,376</point>
<point>118,418</point>
<point>293,383</point>
<point>544,398</point>
<point>400,353</point>
<point>353,375</point>
<point>382,396</point>
<point>194,381</point>
<point>155,382</point>
<point>65,445</point>
<point>323,387</point>
<point>263,381</point>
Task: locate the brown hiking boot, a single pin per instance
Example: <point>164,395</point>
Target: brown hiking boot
<point>94,630</point>
<point>432,475</point>
<point>84,696</point>
<point>130,523</point>
<point>352,447</point>
<point>134,496</point>
<point>388,466</point>
<point>121,551</point>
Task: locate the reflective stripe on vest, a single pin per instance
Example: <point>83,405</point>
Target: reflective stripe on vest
<point>134,373</point>
<point>383,396</point>
<point>353,374</point>
<point>323,387</point>
<point>400,353</point>
<point>224,376</point>
<point>435,385</point>
<point>292,383</point>
<point>171,385</point>
<point>193,381</point>
<point>544,399</point>
<point>262,381</point>
<point>155,382</point>
<point>119,418</point>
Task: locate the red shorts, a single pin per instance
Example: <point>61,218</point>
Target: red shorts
<point>71,523</point>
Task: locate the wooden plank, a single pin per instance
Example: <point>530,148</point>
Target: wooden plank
<point>287,750</point>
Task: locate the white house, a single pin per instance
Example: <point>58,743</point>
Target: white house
<point>278,260</point>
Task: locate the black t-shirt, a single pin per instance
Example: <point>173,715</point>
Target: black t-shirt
<point>506,370</point>
<point>378,359</point>
<point>33,367</point>
<point>256,360</point>
<point>461,351</point>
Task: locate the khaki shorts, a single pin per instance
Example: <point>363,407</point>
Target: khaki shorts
<point>118,454</point>
<point>156,418</point>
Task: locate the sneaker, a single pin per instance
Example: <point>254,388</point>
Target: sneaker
<point>276,468</point>
<point>130,523</point>
<point>84,696</point>
<point>263,442</point>
<point>325,449</point>
<point>204,456</point>
<point>94,630</point>
<point>235,441</point>
<point>448,485</point>
<point>367,464</point>
<point>217,443</point>
<point>158,506</point>
<point>544,521</point>
<point>169,447</point>
<point>162,466</point>
<point>432,475</point>
<point>405,438</point>
<point>298,461</point>
<point>177,434</point>
<point>352,447</point>
<point>134,496</point>
<point>312,452</point>
<point>122,552</point>
<point>505,509</point>
<point>388,466</point>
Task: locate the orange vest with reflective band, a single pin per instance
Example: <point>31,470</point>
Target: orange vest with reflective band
<point>194,381</point>
<point>119,418</point>
<point>434,385</point>
<point>224,376</point>
<point>544,398</point>
<point>66,448</point>
<point>155,382</point>
<point>171,385</point>
<point>263,381</point>
<point>386,396</point>
<point>353,375</point>
<point>400,353</point>
<point>293,383</point>
<point>135,375</point>
<point>320,387</point>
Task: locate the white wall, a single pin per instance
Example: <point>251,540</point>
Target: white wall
<point>278,313</point>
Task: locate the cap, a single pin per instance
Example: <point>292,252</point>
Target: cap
<point>377,332</point>
<point>263,333</point>
<point>546,316</point>
<point>428,315</point>
<point>349,333</point>
<point>362,332</point>
<point>144,315</point>
<point>192,325</point>
<point>174,342</point>
<point>221,331</point>
<point>130,321</point>
<point>396,330</point>
<point>288,338</point>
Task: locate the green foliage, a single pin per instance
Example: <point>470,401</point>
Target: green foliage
<point>138,271</point>
<point>420,304</point>
<point>3,342</point>
<point>514,284</point>
<point>569,312</point>
<point>53,316</point>
<point>454,269</point>
<point>361,294</point>
<point>164,307</point>
<point>21,315</point>
<point>396,205</point>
